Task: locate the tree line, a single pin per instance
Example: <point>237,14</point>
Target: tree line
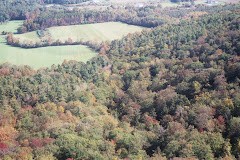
<point>64,1</point>
<point>149,16</point>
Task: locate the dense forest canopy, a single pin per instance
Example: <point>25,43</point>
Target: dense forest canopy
<point>22,9</point>
<point>169,92</point>
<point>17,9</point>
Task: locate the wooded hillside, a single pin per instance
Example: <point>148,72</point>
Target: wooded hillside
<point>170,92</point>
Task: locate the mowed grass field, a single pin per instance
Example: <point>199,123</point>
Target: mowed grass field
<point>170,4</point>
<point>88,32</point>
<point>95,32</point>
<point>28,37</point>
<point>103,4</point>
<point>218,2</point>
<point>46,56</point>
<point>39,57</point>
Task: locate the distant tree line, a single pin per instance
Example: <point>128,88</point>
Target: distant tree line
<point>17,9</point>
<point>176,1</point>
<point>64,1</point>
<point>149,16</point>
<point>21,9</point>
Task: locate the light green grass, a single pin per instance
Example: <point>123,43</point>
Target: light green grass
<point>200,2</point>
<point>46,56</point>
<point>170,4</point>
<point>107,3</point>
<point>218,2</point>
<point>88,32</point>
<point>40,57</point>
<point>95,32</point>
<point>28,37</point>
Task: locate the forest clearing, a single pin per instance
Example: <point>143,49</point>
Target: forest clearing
<point>98,32</point>
<point>39,57</point>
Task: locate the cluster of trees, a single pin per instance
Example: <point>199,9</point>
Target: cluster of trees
<point>169,92</point>
<point>22,9</point>
<point>17,9</point>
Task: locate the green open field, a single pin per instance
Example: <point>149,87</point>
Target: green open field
<point>103,4</point>
<point>221,2</point>
<point>95,32</point>
<point>170,4</point>
<point>28,37</point>
<point>39,57</point>
<point>46,56</point>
